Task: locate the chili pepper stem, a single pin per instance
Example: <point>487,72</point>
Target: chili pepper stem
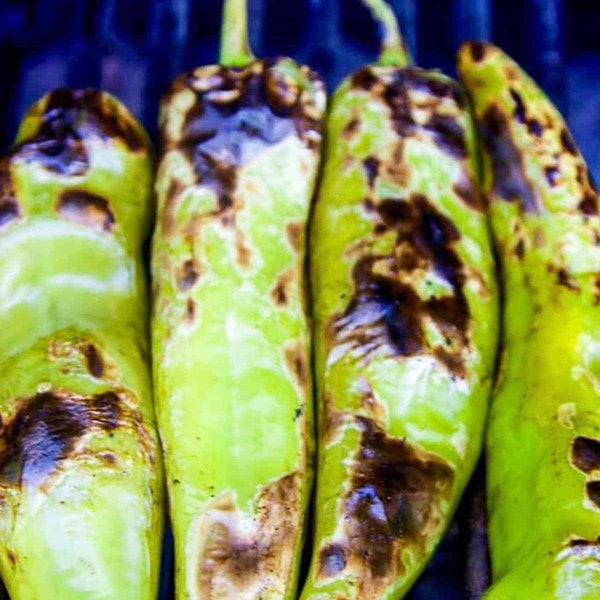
<point>235,47</point>
<point>393,48</point>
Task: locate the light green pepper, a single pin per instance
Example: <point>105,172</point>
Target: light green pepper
<point>231,338</point>
<point>543,444</point>
<point>405,311</point>
<point>80,466</point>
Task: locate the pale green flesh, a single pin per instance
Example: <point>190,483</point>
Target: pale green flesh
<point>549,386</point>
<point>92,528</point>
<point>233,416</point>
<point>416,398</point>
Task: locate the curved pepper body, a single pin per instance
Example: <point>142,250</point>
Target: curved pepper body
<point>544,428</point>
<point>80,466</point>
<point>230,331</point>
<point>405,312</point>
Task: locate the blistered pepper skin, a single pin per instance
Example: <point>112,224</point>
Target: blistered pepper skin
<point>231,337</point>
<point>544,429</point>
<point>405,316</point>
<point>80,465</point>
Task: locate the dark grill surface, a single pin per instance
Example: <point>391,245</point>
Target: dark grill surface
<point>133,48</point>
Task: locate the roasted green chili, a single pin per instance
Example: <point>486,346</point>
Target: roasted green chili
<point>241,146</point>
<point>405,312</point>
<point>544,430</point>
<point>80,467</point>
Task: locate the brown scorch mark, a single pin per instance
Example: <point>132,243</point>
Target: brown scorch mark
<point>385,311</point>
<point>9,207</point>
<point>236,557</point>
<point>187,274</point>
<point>45,429</point>
<point>396,500</point>
<point>86,208</point>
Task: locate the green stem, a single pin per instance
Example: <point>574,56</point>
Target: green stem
<point>393,49</point>
<point>235,48</point>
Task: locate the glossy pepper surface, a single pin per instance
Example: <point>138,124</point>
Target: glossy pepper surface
<point>80,466</point>
<point>405,312</point>
<point>543,444</point>
<point>241,145</point>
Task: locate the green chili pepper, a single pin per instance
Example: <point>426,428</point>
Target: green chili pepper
<point>241,147</point>
<point>80,466</point>
<point>405,311</point>
<point>544,430</point>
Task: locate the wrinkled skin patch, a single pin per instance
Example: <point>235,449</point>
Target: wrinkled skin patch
<point>386,313</point>
<point>68,119</point>
<point>242,559</point>
<point>86,209</point>
<point>9,207</point>
<point>395,501</point>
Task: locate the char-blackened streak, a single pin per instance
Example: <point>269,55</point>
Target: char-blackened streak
<point>567,142</point>
<point>520,113</point>
<point>93,360</point>
<point>509,179</point>
<point>592,489</point>
<point>478,50</point>
<point>394,501</point>
<point>363,79</point>
<point>371,166</point>
<point>45,430</point>
<point>386,311</point>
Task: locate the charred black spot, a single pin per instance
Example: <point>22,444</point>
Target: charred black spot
<point>478,50</point>
<point>510,182</point>
<point>9,210</point>
<point>468,193</point>
<point>363,79</point>
<point>589,205</point>
<point>93,360</point>
<point>520,111</point>
<point>187,274</point>
<point>86,208</point>
<point>552,175</point>
<point>45,430</point>
<point>567,142</point>
<point>371,166</point>
<point>535,127</point>
<point>394,499</point>
<point>519,249</point>
<point>387,313</point>
<point>585,454</point>
<point>563,277</point>
<point>448,134</point>
<point>332,560</point>
<point>592,489</point>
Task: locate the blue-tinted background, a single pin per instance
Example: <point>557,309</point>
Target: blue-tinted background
<point>133,48</point>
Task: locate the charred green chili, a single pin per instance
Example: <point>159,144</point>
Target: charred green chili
<point>405,316</point>
<point>543,444</point>
<point>80,466</point>
<point>231,339</point>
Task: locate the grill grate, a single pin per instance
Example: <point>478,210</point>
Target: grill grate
<point>133,48</point>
